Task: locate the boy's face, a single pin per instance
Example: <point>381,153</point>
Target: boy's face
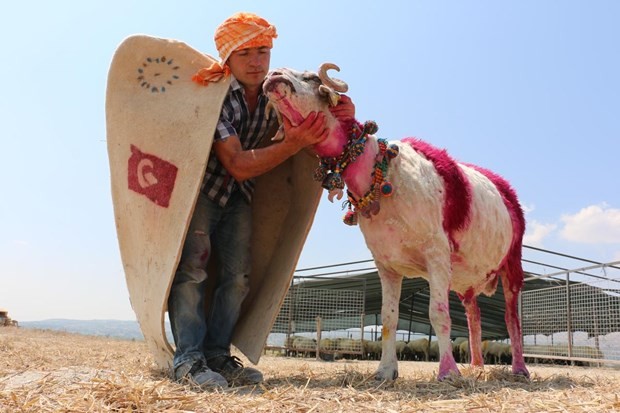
<point>250,66</point>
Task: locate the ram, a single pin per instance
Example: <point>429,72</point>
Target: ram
<point>495,352</point>
<point>372,350</point>
<point>422,214</point>
<point>419,349</point>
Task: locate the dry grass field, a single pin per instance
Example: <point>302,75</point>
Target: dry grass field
<point>46,371</point>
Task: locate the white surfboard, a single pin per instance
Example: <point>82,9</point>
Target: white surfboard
<point>160,127</point>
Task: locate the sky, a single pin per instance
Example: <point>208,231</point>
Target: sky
<point>529,89</point>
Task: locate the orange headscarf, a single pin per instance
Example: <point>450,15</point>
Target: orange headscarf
<point>240,31</point>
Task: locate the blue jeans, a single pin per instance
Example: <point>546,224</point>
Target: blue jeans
<point>196,335</point>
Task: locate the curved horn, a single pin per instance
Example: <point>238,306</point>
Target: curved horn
<point>336,84</point>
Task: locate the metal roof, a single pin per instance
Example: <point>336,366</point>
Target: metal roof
<point>414,303</point>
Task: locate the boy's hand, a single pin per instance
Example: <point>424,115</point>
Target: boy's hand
<point>344,110</point>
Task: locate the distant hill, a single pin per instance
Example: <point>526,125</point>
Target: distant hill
<point>127,330</point>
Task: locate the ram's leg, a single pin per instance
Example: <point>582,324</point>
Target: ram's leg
<point>439,314</point>
<point>511,295</point>
<point>475,332</point>
<point>390,286</point>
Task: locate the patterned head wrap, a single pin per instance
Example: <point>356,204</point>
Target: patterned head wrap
<point>240,31</point>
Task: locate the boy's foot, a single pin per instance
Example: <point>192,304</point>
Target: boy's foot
<point>231,368</point>
<point>198,373</point>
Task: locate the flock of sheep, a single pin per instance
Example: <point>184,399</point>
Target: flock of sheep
<point>494,352</point>
<point>420,349</point>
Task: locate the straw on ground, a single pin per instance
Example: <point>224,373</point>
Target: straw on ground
<point>45,371</point>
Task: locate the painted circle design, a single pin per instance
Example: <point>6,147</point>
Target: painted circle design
<point>157,73</point>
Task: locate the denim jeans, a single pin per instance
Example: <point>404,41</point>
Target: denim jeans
<point>196,334</point>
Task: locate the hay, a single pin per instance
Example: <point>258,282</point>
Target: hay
<point>46,371</point>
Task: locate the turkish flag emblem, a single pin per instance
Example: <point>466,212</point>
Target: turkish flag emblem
<point>151,176</point>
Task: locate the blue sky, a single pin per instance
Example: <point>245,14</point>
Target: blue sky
<point>529,89</point>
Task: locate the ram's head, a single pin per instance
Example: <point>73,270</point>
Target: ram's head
<point>293,94</point>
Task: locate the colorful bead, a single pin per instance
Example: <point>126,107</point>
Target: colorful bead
<point>332,181</point>
<point>393,151</point>
<point>386,188</point>
<point>370,127</point>
<point>350,218</point>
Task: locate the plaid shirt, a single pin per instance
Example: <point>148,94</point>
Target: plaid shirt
<point>235,119</point>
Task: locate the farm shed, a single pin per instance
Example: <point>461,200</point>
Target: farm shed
<point>555,302</point>
<point>414,301</point>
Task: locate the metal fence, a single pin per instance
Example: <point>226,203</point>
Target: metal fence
<point>573,317</point>
<point>577,320</point>
<point>319,322</point>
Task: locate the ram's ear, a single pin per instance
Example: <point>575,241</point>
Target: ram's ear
<point>333,97</point>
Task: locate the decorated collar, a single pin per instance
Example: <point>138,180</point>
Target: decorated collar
<point>368,204</point>
<point>330,170</point>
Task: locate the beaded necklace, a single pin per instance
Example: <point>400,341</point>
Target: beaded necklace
<point>330,170</point>
<point>368,204</point>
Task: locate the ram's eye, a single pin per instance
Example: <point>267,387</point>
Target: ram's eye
<point>311,77</point>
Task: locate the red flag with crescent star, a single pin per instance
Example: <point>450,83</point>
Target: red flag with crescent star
<point>151,176</point>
